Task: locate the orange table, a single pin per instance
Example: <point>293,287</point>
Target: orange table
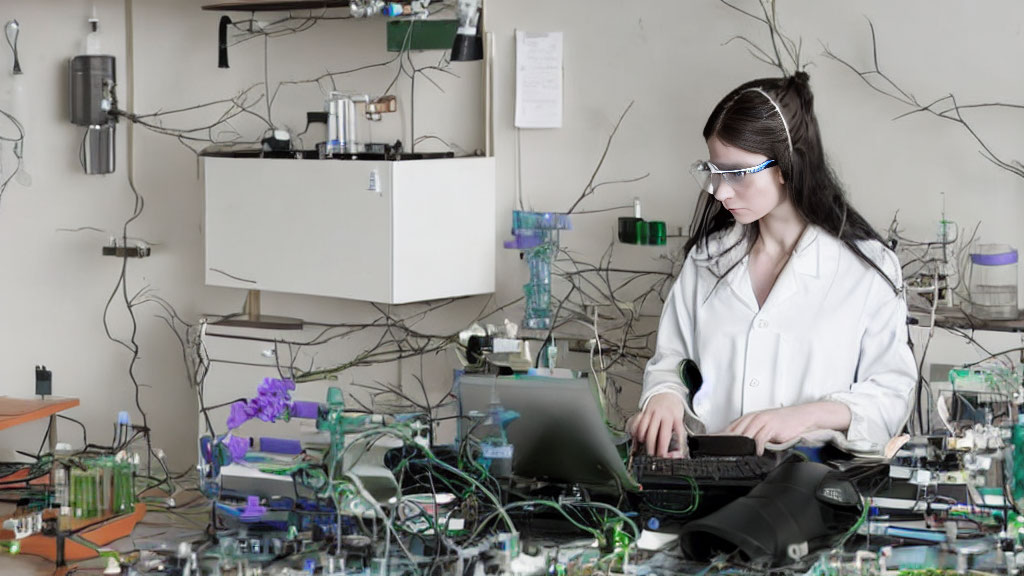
<point>100,531</point>
<point>14,411</point>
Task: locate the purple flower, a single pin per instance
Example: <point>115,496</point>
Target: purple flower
<point>266,408</point>
<point>276,388</point>
<point>239,414</point>
<point>237,447</point>
<point>272,401</point>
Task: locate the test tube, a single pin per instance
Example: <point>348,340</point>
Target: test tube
<point>76,493</point>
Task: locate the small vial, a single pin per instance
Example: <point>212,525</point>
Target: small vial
<point>60,486</point>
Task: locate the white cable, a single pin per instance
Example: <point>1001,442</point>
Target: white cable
<point>387,522</point>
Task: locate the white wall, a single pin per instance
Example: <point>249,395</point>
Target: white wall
<point>672,60</point>
<point>667,56</point>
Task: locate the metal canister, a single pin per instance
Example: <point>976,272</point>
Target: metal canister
<point>341,125</point>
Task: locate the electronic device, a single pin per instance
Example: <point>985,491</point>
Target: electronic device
<point>93,102</point>
<point>712,458</point>
<point>710,445</point>
<point>561,433</point>
<point>44,381</point>
<point>722,470</point>
<point>719,469</point>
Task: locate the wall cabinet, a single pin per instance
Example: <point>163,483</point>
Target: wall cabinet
<point>383,231</point>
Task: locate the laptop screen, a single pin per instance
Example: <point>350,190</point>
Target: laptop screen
<point>560,435</point>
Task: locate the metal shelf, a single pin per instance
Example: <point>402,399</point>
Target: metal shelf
<point>274,5</point>
<point>946,317</point>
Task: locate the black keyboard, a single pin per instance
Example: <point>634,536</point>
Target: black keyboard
<point>663,472</point>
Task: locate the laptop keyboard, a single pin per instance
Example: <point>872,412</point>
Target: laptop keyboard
<point>662,471</point>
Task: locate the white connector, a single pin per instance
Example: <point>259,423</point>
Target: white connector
<point>507,346</point>
<point>921,477</point>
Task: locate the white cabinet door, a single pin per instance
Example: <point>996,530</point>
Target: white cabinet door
<point>388,232</point>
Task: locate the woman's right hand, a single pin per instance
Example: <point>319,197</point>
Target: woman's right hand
<point>655,426</point>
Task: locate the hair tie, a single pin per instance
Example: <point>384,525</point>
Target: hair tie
<point>779,110</point>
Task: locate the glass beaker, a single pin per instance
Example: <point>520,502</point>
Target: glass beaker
<point>992,282</point>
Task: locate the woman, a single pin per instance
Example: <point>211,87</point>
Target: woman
<point>788,300</point>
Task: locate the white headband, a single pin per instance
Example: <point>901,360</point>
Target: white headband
<point>779,110</point>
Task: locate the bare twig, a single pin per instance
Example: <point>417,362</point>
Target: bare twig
<point>781,44</point>
<point>589,188</point>
<point>945,107</point>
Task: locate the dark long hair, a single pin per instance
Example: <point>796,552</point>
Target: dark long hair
<point>747,119</point>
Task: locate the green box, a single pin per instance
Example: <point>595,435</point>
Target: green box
<point>426,34</point>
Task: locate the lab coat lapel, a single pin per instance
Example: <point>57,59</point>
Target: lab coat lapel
<point>738,279</point>
<point>802,267</point>
<point>739,283</point>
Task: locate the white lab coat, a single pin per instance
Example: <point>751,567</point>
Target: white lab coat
<point>831,329</point>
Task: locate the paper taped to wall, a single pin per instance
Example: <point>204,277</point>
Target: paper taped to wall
<point>538,79</point>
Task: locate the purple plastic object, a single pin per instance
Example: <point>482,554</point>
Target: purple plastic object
<point>280,445</point>
<point>305,409</point>
<point>1000,259</point>
<point>524,242</point>
<point>253,510</point>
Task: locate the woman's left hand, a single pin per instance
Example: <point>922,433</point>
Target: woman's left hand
<point>781,425</point>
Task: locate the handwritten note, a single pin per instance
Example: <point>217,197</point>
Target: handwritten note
<point>538,80</point>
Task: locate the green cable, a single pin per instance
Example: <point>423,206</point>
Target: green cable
<point>501,511</point>
<point>694,501</point>
<point>857,525</point>
<point>610,508</point>
<point>558,507</point>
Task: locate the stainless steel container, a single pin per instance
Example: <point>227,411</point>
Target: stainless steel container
<point>342,123</point>
<point>98,153</point>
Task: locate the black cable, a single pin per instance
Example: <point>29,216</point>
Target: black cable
<point>131,345</point>
<point>45,436</point>
<point>554,324</point>
<point>85,436</point>
<point>967,337</point>
<point>437,529</point>
<point>996,355</point>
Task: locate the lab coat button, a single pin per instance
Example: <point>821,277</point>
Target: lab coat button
<point>762,324</point>
<point>754,383</point>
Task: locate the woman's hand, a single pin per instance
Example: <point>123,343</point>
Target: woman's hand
<point>781,425</point>
<point>654,427</point>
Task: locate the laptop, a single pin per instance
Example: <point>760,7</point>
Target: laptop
<point>561,433</point>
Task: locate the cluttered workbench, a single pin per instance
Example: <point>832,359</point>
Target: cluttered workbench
<point>536,482</point>
<point>359,493</point>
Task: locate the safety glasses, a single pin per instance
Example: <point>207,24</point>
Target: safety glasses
<point>710,177</point>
